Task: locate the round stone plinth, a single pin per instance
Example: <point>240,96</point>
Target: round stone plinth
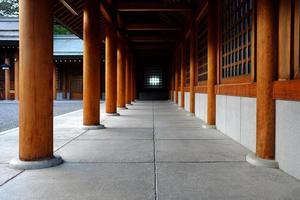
<point>259,162</point>
<point>122,108</point>
<point>40,164</point>
<point>180,108</point>
<point>206,126</point>
<point>93,127</point>
<point>190,114</point>
<point>128,104</point>
<point>112,114</point>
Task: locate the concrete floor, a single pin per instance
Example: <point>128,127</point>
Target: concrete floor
<point>152,151</point>
<point>9,115</point>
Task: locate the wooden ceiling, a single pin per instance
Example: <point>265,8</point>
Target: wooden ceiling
<point>147,25</point>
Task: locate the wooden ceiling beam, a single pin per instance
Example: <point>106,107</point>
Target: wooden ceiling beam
<point>150,27</point>
<point>151,7</point>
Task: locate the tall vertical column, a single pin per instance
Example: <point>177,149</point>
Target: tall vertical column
<point>7,79</point>
<point>91,65</point>
<point>132,81</point>
<point>266,52</point>
<point>128,78</point>
<point>121,76</point>
<point>212,63</point>
<point>182,74</point>
<point>36,97</point>
<point>177,76</point>
<point>17,76</point>
<point>192,68</point>
<point>110,71</point>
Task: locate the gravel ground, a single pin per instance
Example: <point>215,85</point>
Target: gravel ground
<point>9,112</point>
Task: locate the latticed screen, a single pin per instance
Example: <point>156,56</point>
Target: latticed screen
<point>237,17</point>
<point>202,50</point>
<point>187,62</point>
<point>153,78</point>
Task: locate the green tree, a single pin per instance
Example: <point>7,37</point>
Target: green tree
<point>9,8</point>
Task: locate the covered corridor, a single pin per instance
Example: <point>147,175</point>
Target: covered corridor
<point>202,101</point>
<point>152,151</point>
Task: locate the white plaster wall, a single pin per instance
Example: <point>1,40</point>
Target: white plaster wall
<point>288,136</point>
<point>201,106</point>
<point>236,117</point>
<point>187,101</point>
<point>197,105</point>
<point>179,98</point>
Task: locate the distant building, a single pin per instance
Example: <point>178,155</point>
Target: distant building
<point>68,53</point>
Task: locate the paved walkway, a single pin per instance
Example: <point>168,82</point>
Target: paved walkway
<point>152,151</point>
<point>9,112</point>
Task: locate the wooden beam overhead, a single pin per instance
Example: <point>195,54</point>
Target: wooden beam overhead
<point>150,39</point>
<point>152,7</point>
<point>105,12</point>
<point>150,27</point>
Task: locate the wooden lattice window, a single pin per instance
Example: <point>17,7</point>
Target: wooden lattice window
<point>187,62</point>
<point>237,34</point>
<point>202,50</point>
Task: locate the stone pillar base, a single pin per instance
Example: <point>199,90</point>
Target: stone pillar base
<point>112,114</point>
<point>180,108</point>
<point>93,127</point>
<point>128,104</point>
<point>190,114</point>
<point>206,126</point>
<point>41,164</point>
<point>259,162</point>
<point>122,108</point>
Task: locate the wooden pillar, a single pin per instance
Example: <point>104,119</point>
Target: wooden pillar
<point>132,80</point>
<point>212,62</point>
<point>192,67</point>
<point>110,70</point>
<point>121,75</point>
<point>176,69</point>
<point>128,78</point>
<point>182,72</point>
<point>17,76</point>
<point>36,78</point>
<point>7,79</point>
<point>266,62</point>
<point>91,63</point>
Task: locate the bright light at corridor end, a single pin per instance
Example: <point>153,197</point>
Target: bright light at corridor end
<point>154,80</point>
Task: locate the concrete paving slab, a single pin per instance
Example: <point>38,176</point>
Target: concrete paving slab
<point>83,181</point>
<point>7,173</point>
<point>199,151</point>
<point>190,133</point>
<point>119,134</point>
<point>108,151</point>
<point>226,181</point>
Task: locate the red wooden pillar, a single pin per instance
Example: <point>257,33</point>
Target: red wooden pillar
<point>110,70</point>
<point>177,76</point>
<point>7,79</point>
<point>91,65</point>
<point>266,67</point>
<point>192,68</point>
<point>182,74</point>
<point>212,63</point>
<point>121,75</point>
<point>128,77</point>
<point>17,76</point>
<point>36,78</point>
